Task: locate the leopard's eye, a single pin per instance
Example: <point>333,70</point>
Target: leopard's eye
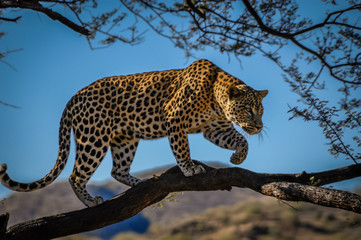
<point>248,110</point>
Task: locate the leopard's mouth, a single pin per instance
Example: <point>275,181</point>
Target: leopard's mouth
<point>251,130</point>
<point>246,127</point>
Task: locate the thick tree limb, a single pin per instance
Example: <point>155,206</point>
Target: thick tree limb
<point>321,196</point>
<point>292,187</point>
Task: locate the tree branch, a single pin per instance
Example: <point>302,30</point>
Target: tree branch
<point>260,23</point>
<point>326,22</point>
<point>198,11</point>
<point>292,187</point>
<point>7,104</point>
<point>320,196</point>
<point>291,37</point>
<point>36,6</point>
<point>10,19</point>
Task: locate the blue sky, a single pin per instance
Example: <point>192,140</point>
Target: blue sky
<point>56,62</point>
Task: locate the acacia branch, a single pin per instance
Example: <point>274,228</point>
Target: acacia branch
<point>291,37</point>
<point>198,11</point>
<point>292,187</point>
<point>263,26</point>
<point>326,22</point>
<point>137,14</point>
<point>36,6</point>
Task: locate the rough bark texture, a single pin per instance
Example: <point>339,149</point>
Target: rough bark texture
<point>321,196</point>
<point>3,223</point>
<point>292,187</point>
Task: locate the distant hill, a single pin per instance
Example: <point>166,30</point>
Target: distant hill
<point>263,219</point>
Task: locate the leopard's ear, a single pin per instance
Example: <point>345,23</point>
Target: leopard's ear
<point>263,93</point>
<point>234,93</point>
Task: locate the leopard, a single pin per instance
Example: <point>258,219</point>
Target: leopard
<point>117,112</point>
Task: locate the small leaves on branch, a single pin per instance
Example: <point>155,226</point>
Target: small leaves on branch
<point>314,182</point>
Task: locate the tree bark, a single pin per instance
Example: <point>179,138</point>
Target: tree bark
<point>292,187</point>
<point>3,223</point>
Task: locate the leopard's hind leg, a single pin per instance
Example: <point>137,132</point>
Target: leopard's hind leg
<point>88,157</point>
<point>123,151</point>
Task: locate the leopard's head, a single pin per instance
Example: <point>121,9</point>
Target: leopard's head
<point>244,108</point>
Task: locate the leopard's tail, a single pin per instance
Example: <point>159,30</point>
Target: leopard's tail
<point>64,147</point>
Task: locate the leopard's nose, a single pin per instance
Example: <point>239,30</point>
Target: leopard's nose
<point>259,126</point>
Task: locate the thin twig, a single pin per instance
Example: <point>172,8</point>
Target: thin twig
<point>11,19</point>
<point>9,105</point>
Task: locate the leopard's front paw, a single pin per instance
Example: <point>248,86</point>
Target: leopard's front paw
<point>193,170</point>
<point>240,155</point>
<point>237,158</point>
